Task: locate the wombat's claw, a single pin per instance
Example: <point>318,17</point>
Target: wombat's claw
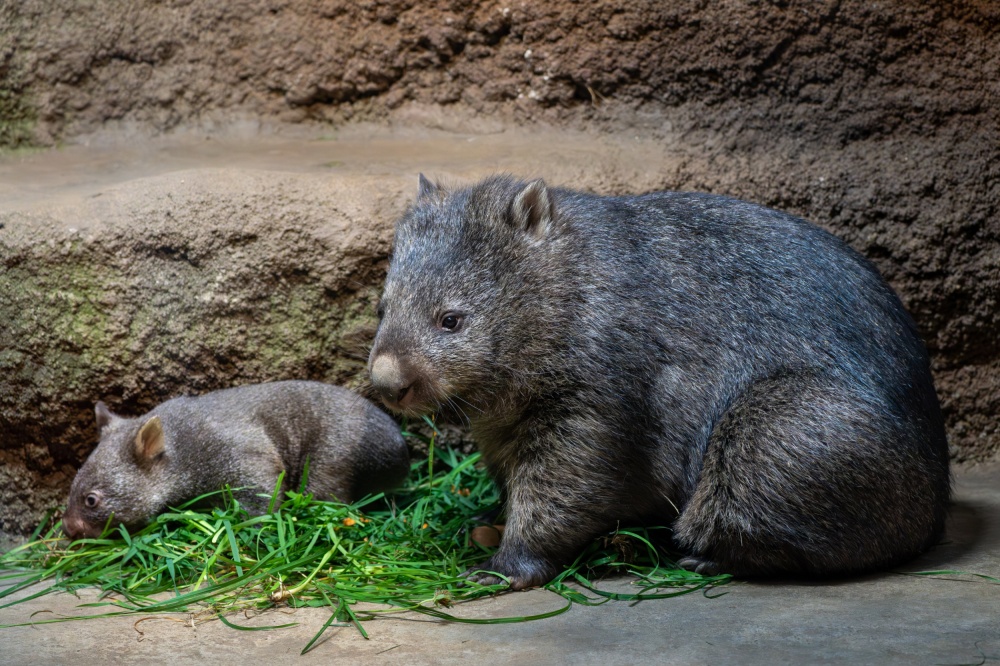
<point>519,576</point>
<point>699,565</point>
<point>482,577</point>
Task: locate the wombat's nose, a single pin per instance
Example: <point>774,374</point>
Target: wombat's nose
<point>74,527</point>
<point>390,380</point>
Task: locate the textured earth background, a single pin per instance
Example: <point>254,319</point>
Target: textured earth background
<point>184,270</point>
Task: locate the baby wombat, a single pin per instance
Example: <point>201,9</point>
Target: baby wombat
<point>667,358</point>
<point>243,437</point>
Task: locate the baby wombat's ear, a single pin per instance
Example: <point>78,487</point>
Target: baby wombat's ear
<point>427,189</point>
<point>149,441</point>
<point>532,208</point>
<point>103,414</point>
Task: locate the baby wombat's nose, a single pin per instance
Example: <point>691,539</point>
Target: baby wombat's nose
<point>75,527</point>
<point>391,380</point>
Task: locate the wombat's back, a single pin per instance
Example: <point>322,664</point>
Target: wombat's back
<point>352,447</point>
<point>759,287</point>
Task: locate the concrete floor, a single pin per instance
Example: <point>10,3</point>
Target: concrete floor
<point>879,619</point>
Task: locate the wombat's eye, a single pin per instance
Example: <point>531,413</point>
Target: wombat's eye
<point>380,310</point>
<point>451,321</point>
<point>92,500</point>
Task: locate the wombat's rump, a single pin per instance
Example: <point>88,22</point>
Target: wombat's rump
<point>244,437</point>
<point>669,358</point>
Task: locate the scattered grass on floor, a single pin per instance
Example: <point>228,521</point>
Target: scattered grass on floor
<point>403,552</point>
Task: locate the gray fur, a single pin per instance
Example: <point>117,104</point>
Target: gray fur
<point>243,437</point>
<point>673,358</point>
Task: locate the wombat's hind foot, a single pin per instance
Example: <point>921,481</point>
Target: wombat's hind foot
<point>796,481</point>
<point>700,565</point>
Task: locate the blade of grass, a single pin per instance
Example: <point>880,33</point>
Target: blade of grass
<point>277,492</point>
<point>232,544</point>
<point>326,625</point>
<point>951,572</point>
<point>233,625</point>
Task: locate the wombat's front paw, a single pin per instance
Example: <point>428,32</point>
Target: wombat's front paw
<point>699,565</point>
<point>477,575</point>
<point>524,571</point>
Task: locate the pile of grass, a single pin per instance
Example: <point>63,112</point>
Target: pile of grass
<point>403,552</point>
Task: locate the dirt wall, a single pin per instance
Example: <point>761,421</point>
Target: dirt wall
<point>834,71</point>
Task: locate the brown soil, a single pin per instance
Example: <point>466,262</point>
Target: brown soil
<point>834,71</point>
<point>879,121</point>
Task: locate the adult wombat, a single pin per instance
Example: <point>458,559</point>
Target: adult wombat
<point>243,437</point>
<point>670,355</point>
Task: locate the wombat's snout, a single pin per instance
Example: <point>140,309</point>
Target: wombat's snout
<point>393,381</point>
<point>76,527</point>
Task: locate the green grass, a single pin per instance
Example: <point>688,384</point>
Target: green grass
<point>398,553</point>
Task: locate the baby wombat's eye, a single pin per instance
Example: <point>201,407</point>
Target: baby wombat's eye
<point>380,310</point>
<point>451,321</point>
<point>92,500</point>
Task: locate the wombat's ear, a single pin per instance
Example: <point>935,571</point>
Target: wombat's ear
<point>427,189</point>
<point>104,415</point>
<point>149,441</point>
<point>532,208</point>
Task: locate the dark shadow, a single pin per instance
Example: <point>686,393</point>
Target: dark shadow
<point>964,530</point>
